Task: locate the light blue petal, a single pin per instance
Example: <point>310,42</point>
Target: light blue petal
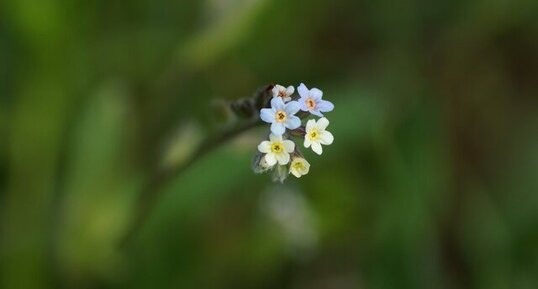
<point>277,103</point>
<point>292,107</point>
<point>267,115</point>
<point>316,112</point>
<point>325,106</point>
<point>277,128</point>
<point>302,104</point>
<point>316,93</point>
<point>303,91</point>
<point>293,122</point>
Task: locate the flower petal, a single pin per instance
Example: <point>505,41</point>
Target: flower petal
<point>295,173</point>
<point>325,106</point>
<point>283,158</point>
<point>303,91</point>
<point>326,138</point>
<point>289,146</point>
<point>310,124</point>
<point>290,90</point>
<point>292,107</point>
<point>293,122</point>
<point>277,128</point>
<point>307,142</point>
<point>316,112</point>
<point>264,147</point>
<point>306,167</point>
<point>316,93</point>
<point>275,138</point>
<point>267,115</point>
<point>316,147</point>
<point>277,103</point>
<point>322,123</point>
<point>302,104</point>
<point>276,90</point>
<point>270,159</point>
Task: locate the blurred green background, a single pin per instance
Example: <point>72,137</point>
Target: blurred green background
<point>431,182</point>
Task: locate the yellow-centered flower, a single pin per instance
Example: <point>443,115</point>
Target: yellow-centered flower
<point>316,135</point>
<point>299,167</point>
<point>276,150</point>
<point>283,92</point>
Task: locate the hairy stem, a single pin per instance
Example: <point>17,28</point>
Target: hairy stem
<point>153,189</point>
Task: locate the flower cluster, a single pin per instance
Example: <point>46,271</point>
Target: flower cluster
<point>285,115</point>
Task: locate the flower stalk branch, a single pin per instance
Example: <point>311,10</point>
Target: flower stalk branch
<point>160,178</point>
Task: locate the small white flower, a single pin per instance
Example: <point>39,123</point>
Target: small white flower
<point>299,167</point>
<point>281,115</point>
<point>282,92</point>
<point>276,150</point>
<point>316,135</point>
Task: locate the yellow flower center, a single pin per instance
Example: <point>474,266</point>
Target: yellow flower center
<point>280,116</point>
<point>298,165</point>
<point>310,103</point>
<point>276,147</point>
<point>313,134</point>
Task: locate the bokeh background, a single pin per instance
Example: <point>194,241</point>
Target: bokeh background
<point>431,181</point>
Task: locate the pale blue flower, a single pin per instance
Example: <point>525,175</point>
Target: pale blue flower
<point>311,101</point>
<point>281,115</point>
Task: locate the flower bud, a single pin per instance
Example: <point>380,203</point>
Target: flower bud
<point>259,164</point>
<point>280,173</point>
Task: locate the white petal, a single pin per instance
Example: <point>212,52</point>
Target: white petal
<point>295,173</point>
<point>303,91</point>
<point>316,147</point>
<point>316,93</point>
<point>264,147</point>
<point>322,123</point>
<point>283,158</point>
<point>307,142</point>
<point>290,90</point>
<point>277,128</point>
<point>304,170</point>
<point>310,124</point>
<point>306,167</point>
<point>267,115</point>
<point>276,90</point>
<point>326,137</point>
<point>275,138</point>
<point>289,146</point>
<point>293,122</point>
<point>277,103</point>
<point>270,159</point>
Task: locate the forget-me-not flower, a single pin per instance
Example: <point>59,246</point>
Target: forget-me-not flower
<point>283,92</point>
<point>316,135</point>
<point>311,101</point>
<point>299,167</point>
<point>276,150</point>
<point>280,154</point>
<point>281,115</point>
